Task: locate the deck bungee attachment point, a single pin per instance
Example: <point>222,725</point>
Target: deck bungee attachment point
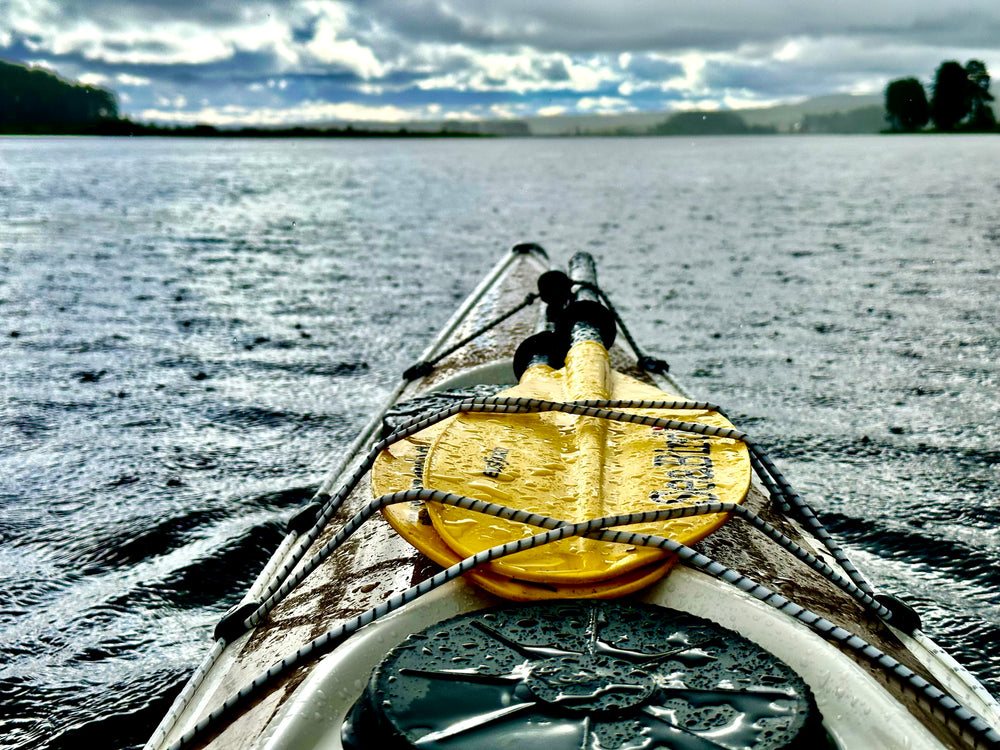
<point>580,482</point>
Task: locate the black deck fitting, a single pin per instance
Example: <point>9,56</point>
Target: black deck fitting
<point>652,364</point>
<point>230,627</point>
<point>524,248</point>
<point>903,617</point>
<point>555,288</point>
<point>547,347</point>
<point>418,370</point>
<point>304,520</point>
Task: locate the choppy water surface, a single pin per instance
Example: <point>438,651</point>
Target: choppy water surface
<point>189,329</point>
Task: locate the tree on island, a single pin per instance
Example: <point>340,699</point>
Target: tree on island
<point>959,101</point>
<point>906,105</point>
<point>950,100</point>
<point>981,116</point>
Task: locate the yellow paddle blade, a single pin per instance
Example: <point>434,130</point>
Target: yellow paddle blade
<point>572,468</point>
<point>401,467</point>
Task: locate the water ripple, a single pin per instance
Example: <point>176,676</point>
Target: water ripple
<point>187,336</point>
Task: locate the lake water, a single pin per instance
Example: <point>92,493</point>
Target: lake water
<point>190,329</point>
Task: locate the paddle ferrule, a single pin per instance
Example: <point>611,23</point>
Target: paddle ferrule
<point>586,319</point>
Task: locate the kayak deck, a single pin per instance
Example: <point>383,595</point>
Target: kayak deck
<point>375,563</point>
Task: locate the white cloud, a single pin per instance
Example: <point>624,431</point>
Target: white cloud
<point>94,79</point>
<point>129,40</point>
<point>736,102</point>
<point>697,105</point>
<point>333,41</point>
<point>372,89</point>
<point>694,64</point>
<point>347,53</point>
<point>521,71</point>
<point>788,51</point>
<point>169,44</point>
<point>178,102</point>
<point>551,111</point>
<point>503,111</point>
<point>129,80</point>
<point>588,75</point>
<point>308,112</point>
<point>41,63</point>
<point>28,17</point>
<point>463,116</point>
<point>602,104</point>
<point>863,86</point>
<point>271,34</point>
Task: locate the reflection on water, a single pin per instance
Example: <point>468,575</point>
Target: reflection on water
<point>190,328</point>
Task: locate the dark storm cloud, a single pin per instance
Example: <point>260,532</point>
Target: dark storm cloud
<point>572,28</point>
<point>649,68</point>
<point>553,70</point>
<point>954,27</point>
<point>241,67</point>
<point>709,25</point>
<point>770,80</point>
<point>214,13</point>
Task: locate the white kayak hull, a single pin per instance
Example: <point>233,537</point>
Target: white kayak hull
<point>860,708</point>
<point>857,711</point>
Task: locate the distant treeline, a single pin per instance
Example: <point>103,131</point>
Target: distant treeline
<point>36,102</point>
<point>127,127</point>
<point>958,101</point>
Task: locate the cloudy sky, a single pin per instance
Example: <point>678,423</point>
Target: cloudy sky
<point>306,61</point>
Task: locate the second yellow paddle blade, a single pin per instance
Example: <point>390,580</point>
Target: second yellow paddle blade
<point>575,469</point>
<point>401,467</point>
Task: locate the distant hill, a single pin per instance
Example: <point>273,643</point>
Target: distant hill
<point>708,123</point>
<point>34,100</point>
<point>784,118</point>
<point>789,118</point>
<point>838,113</point>
<point>631,122</point>
<point>862,120</point>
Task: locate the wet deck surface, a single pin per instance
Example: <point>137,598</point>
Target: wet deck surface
<point>376,563</point>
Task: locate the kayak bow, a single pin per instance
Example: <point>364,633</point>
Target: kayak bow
<point>551,545</point>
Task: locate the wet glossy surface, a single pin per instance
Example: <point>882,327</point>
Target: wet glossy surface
<point>583,676</point>
<point>188,328</point>
<point>561,466</point>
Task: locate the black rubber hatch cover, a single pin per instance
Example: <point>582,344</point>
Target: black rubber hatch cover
<point>582,675</point>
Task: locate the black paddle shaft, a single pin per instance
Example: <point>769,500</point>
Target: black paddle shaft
<point>571,316</point>
<point>586,318</point>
